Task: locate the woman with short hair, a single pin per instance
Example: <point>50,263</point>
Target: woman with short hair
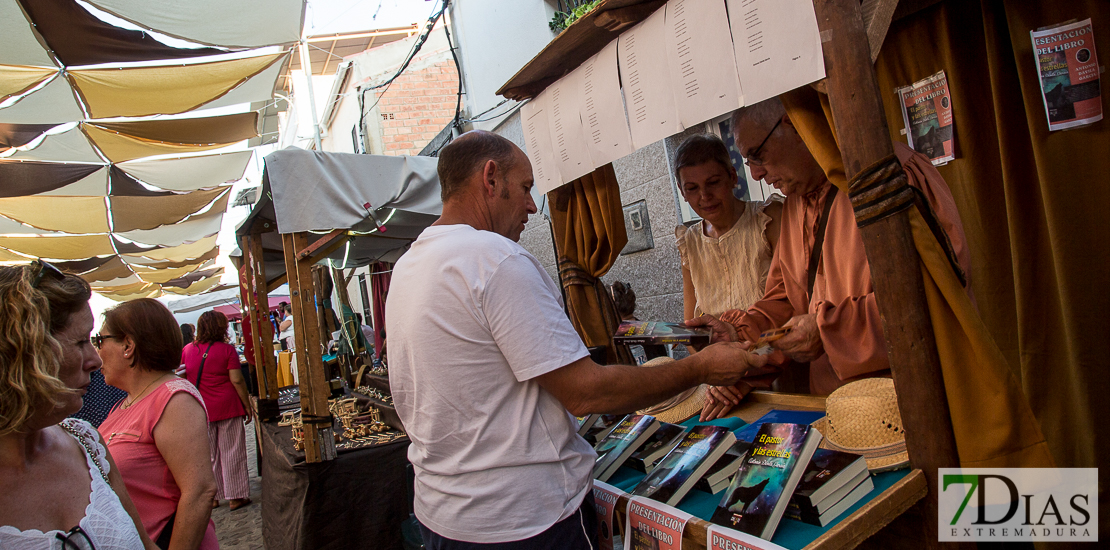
<point>212,365</point>
<point>57,481</point>
<point>159,433</point>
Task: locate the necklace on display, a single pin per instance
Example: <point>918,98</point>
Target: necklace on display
<point>127,404</point>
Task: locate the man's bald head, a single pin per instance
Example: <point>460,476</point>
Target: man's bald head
<point>467,154</point>
<point>763,115</point>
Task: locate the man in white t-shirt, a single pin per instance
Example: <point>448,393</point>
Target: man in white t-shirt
<point>485,366</point>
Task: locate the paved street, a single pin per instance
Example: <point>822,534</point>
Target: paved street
<point>242,529</point>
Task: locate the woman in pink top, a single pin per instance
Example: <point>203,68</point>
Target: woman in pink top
<point>224,389</point>
<point>159,432</point>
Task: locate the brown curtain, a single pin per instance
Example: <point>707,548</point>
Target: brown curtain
<point>1032,201</point>
<point>589,234</point>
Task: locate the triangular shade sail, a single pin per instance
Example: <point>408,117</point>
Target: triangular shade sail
<point>131,213</point>
<point>15,79</point>
<point>190,173</point>
<point>18,135</point>
<point>165,275</point>
<point>173,253</point>
<point>77,37</point>
<point>124,141</point>
<point>92,185</point>
<point>83,266</point>
<point>29,178</point>
<point>76,247</point>
<point>8,256</point>
<point>114,268</point>
<point>194,283</point>
<point>194,228</point>
<point>139,263</point>
<point>128,283</point>
<point>258,88</point>
<point>151,291</point>
<point>68,214</point>
<point>122,185</point>
<point>21,47</point>
<point>68,146</point>
<point>52,104</point>
<point>124,247</point>
<point>167,90</point>
<point>242,24</point>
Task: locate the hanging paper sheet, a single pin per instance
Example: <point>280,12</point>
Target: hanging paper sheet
<point>701,60</point>
<point>605,499</point>
<point>777,44</point>
<point>537,141</point>
<point>1068,68</point>
<point>648,94</point>
<point>607,133</point>
<point>653,525</point>
<point>927,112</point>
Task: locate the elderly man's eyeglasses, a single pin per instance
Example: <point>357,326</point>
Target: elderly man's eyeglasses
<point>753,155</point>
<point>43,270</point>
<point>99,339</point>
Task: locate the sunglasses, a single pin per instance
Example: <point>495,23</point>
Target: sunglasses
<point>43,270</point>
<point>753,155</point>
<point>99,339</point>
<point>76,539</point>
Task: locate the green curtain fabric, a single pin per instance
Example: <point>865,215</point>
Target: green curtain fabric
<point>589,234</point>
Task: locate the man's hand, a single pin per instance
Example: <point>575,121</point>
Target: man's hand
<point>803,343</point>
<point>719,400</point>
<point>725,363</point>
<point>722,331</point>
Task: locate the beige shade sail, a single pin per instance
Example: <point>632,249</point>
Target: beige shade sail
<point>68,146</point>
<point>239,24</point>
<point>75,247</point>
<point>15,79</point>
<point>201,286</point>
<point>52,104</point>
<point>128,283</point>
<point>174,253</point>
<point>113,269</point>
<point>9,256</point>
<point>124,141</point>
<point>21,46</point>
<point>67,214</point>
<point>196,227</point>
<point>92,185</point>
<point>131,213</point>
<point>9,226</point>
<point>166,275</point>
<point>166,90</point>
<point>189,173</point>
<point>139,263</point>
<point>258,88</point>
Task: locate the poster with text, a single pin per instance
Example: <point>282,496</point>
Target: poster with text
<point>723,538</point>
<point>652,525</point>
<point>1067,65</point>
<point>927,112</point>
<point>605,499</point>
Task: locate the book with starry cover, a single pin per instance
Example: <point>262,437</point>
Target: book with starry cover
<point>622,441</point>
<point>677,473</point>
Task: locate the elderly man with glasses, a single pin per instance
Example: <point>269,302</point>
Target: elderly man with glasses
<point>819,283</point>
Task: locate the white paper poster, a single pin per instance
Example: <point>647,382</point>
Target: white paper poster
<point>537,139</point>
<point>567,135</point>
<point>642,55</point>
<point>777,44</point>
<point>651,524</point>
<point>607,136</point>
<point>701,60</point>
<point>723,538</point>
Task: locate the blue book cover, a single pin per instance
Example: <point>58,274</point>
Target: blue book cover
<point>777,416</point>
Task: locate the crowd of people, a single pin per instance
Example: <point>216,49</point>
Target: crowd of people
<point>152,471</point>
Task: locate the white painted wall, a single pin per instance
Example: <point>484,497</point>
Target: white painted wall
<point>495,39</point>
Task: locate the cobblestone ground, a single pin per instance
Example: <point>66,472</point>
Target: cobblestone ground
<point>242,529</point>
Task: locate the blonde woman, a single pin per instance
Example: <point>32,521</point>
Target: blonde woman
<point>58,484</point>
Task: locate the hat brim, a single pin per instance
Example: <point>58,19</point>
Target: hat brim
<point>877,460</point>
<point>684,409</point>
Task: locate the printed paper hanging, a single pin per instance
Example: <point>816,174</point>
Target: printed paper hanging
<point>1068,68</point>
<point>927,112</point>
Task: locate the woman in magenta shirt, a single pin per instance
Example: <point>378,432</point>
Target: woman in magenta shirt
<point>224,389</point>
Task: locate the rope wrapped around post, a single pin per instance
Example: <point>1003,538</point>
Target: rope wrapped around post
<point>879,191</point>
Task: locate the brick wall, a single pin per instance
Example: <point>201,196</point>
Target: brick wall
<point>417,106</point>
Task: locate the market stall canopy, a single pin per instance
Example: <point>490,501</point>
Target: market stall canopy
<point>314,192</point>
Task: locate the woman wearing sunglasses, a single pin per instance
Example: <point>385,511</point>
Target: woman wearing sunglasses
<point>159,432</point>
<point>59,487</point>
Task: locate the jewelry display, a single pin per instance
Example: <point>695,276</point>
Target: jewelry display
<point>355,428</point>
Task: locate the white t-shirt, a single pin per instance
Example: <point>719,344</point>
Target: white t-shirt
<point>473,318</point>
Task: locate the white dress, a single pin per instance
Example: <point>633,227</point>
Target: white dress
<point>106,522</point>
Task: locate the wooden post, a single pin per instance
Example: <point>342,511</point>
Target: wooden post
<point>261,329</point>
<point>319,444</point>
<point>895,266</point>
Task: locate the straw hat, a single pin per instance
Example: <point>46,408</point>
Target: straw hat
<point>862,418</point>
<point>679,407</point>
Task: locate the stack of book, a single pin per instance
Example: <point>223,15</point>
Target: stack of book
<point>717,478</point>
<point>676,474</point>
<point>659,332</point>
<point>832,483</point>
<point>594,427</point>
<point>623,440</point>
<point>661,442</point>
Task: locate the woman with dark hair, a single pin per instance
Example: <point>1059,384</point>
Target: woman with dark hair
<point>187,334</point>
<point>212,365</point>
<point>159,433</point>
<point>57,481</point>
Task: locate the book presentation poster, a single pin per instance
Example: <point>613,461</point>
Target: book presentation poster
<point>1068,67</point>
<point>723,538</point>
<point>653,525</point>
<point>927,112</point>
<point>605,499</point>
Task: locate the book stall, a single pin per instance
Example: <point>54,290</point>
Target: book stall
<point>825,48</point>
<point>333,450</point>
